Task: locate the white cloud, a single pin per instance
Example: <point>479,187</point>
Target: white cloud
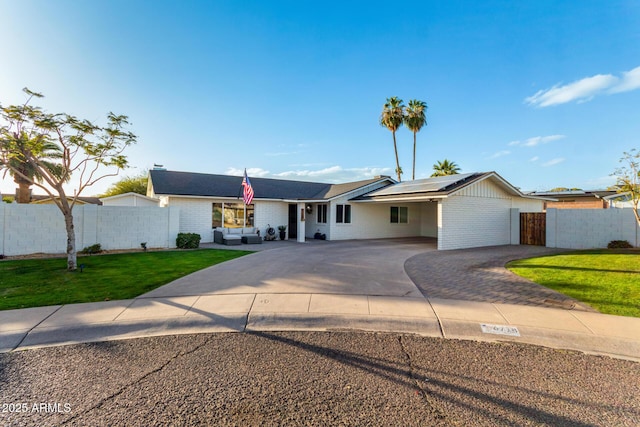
<point>534,159</point>
<point>333,174</point>
<point>499,154</point>
<point>585,89</point>
<point>581,90</point>
<point>630,81</point>
<point>259,172</point>
<point>553,162</point>
<point>536,140</point>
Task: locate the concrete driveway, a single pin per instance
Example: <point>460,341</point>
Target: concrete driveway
<point>410,267</point>
<point>357,267</point>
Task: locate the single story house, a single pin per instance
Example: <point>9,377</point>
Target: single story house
<point>620,200</point>
<point>129,199</point>
<point>576,199</point>
<point>461,211</point>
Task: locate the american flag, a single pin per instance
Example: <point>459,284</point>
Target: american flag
<point>247,189</point>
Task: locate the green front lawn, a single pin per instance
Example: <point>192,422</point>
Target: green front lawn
<point>607,280</point>
<point>40,282</point>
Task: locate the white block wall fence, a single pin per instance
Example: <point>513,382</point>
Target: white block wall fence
<point>30,229</point>
<point>590,228</point>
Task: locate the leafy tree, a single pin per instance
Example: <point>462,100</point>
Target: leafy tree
<point>89,151</point>
<point>628,179</point>
<point>23,171</point>
<point>129,184</point>
<point>414,119</point>
<point>444,168</point>
<point>391,118</point>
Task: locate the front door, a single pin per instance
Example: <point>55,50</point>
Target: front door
<point>293,221</point>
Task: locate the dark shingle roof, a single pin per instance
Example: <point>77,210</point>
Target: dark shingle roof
<point>208,185</point>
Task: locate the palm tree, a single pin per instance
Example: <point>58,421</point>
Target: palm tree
<point>391,118</point>
<point>444,168</point>
<point>21,166</point>
<point>414,119</point>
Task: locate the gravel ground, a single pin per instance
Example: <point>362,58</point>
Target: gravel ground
<point>321,378</point>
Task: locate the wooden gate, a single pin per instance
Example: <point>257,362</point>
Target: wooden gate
<point>533,229</point>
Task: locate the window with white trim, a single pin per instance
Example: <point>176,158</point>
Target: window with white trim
<point>399,215</point>
<point>322,214</point>
<point>343,214</point>
<point>232,215</point>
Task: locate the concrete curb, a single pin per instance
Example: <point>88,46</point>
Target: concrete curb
<point>591,333</point>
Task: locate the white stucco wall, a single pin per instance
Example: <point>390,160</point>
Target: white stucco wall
<point>371,221</point>
<point>590,228</point>
<point>527,205</point>
<point>29,229</point>
<point>429,219</point>
<point>312,225</point>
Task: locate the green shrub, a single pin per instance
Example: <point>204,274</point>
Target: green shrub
<point>188,241</point>
<point>619,244</point>
<point>93,249</point>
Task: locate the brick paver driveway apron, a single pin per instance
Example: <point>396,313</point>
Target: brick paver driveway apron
<point>478,274</point>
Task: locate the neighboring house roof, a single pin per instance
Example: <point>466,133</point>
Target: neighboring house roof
<point>129,195</point>
<point>623,197</point>
<point>438,187</point>
<point>576,194</point>
<point>44,199</point>
<point>172,183</point>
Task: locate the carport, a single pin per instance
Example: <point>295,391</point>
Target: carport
<point>462,211</point>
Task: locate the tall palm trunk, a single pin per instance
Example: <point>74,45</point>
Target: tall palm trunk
<point>395,147</point>
<point>413,173</point>
<point>24,191</point>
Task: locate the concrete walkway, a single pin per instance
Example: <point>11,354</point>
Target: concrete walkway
<point>319,286</point>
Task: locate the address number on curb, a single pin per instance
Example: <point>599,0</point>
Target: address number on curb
<point>500,330</point>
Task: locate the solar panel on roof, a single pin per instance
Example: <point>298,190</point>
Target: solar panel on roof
<point>422,185</point>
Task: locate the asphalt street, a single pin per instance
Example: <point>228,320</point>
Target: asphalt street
<point>314,378</point>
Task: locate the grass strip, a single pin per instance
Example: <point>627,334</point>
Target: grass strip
<point>41,282</point>
<point>607,280</point>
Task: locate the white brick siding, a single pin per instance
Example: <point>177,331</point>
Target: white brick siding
<point>274,213</point>
<point>196,214</point>
<point>479,215</point>
<point>467,222</point>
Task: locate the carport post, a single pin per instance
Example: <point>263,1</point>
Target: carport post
<point>515,226</point>
<point>301,229</point>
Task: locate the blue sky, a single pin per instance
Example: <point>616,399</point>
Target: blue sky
<point>546,93</point>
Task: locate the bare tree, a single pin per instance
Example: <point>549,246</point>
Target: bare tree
<point>628,179</point>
